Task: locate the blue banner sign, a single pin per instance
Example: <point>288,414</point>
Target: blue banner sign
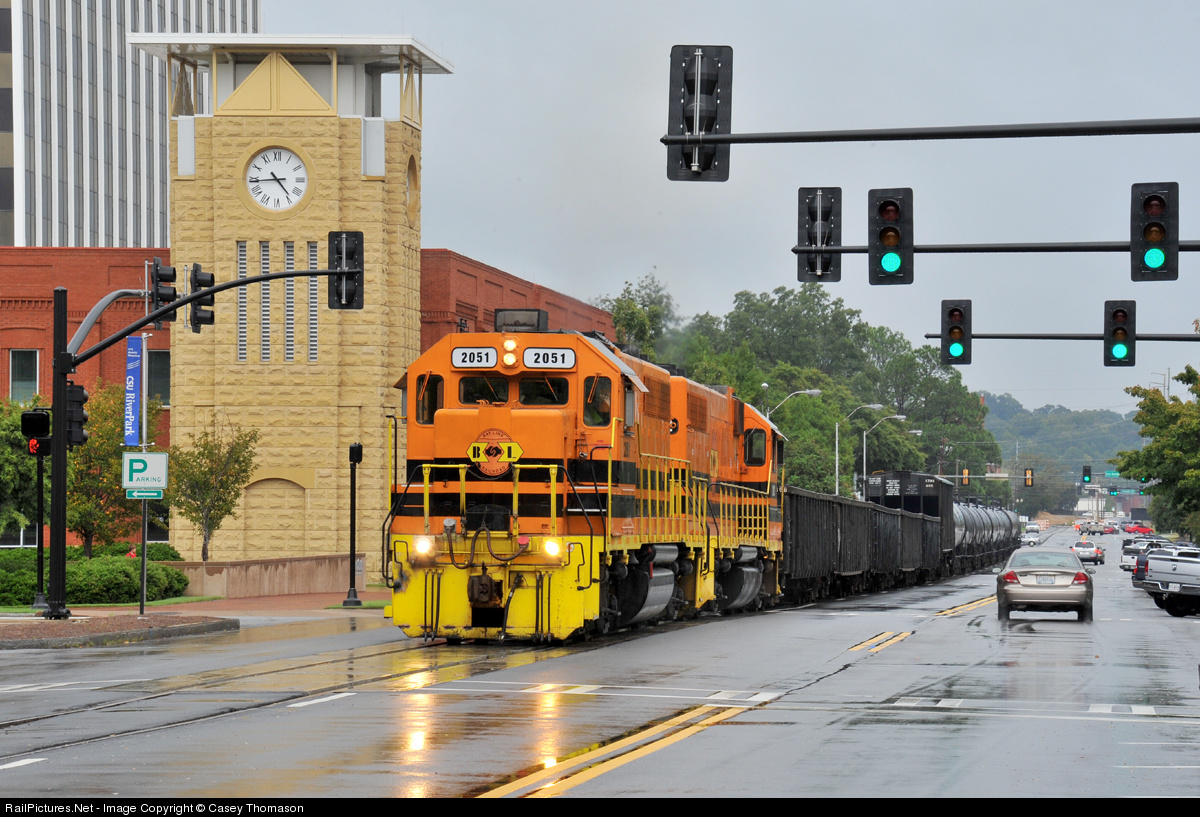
<point>133,390</point>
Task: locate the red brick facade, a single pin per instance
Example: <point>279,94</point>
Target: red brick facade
<point>455,287</point>
<point>28,277</point>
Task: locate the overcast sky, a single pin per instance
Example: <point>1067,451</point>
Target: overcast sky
<point>541,156</point>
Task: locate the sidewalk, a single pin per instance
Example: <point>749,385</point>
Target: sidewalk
<point>100,626</point>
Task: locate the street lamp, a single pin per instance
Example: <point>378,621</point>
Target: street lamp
<point>865,433</point>
<point>837,446</point>
<point>809,392</point>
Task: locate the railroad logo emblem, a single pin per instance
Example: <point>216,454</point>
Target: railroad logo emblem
<point>494,452</point>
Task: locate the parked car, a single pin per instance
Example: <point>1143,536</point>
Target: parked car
<point>1175,573</point>
<point>1045,579</point>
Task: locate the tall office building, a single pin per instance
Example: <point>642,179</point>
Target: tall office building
<point>83,117</point>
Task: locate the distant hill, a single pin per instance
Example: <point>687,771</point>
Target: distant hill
<point>1073,438</point>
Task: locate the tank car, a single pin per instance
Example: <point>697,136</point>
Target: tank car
<point>556,486</point>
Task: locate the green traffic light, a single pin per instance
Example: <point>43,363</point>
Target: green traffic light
<point>956,350</point>
<point>1154,258</point>
<point>890,262</point>
<point>1119,351</point>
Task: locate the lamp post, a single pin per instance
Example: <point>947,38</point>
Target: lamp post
<point>837,446</point>
<point>865,433</point>
<point>809,392</point>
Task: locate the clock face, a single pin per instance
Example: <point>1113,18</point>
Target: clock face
<point>276,178</point>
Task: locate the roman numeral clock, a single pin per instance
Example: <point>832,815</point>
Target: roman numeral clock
<point>274,143</point>
<point>277,178</point>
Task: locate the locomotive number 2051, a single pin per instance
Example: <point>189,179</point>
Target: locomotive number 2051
<point>478,357</point>
<point>549,359</point>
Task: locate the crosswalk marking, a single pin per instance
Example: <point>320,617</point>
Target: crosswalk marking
<point>718,697</point>
<point>956,703</point>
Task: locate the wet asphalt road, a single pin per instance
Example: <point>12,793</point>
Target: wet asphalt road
<point>918,692</point>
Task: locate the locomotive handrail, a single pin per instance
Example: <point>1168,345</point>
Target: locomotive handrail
<point>517,469</point>
<point>462,487</point>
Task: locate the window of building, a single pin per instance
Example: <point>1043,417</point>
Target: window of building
<point>22,375</point>
<point>158,375</point>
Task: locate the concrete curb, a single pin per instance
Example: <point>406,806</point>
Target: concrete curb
<point>124,636</point>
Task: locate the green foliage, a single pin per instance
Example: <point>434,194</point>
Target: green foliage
<point>800,339</point>
<point>207,478</point>
<point>1170,461</point>
<point>642,314</point>
<point>100,580</point>
<point>97,509</point>
<point>18,470</point>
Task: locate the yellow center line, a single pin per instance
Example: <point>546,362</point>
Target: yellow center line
<point>607,766</point>
<point>890,642</point>
<point>963,608</point>
<point>870,641</point>
<point>588,757</point>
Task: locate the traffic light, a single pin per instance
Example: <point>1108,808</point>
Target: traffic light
<point>35,427</point>
<point>161,293</point>
<point>956,333</point>
<point>201,280</point>
<point>966,476</point>
<point>77,417</point>
<point>890,236</point>
<point>1087,474</point>
<point>820,225</point>
<point>1120,333</point>
<point>346,252</point>
<point>1154,231</point>
<point>699,103</point>
<point>1028,477</point>
<point>1112,492</point>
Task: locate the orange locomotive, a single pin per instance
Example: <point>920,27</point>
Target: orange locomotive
<point>556,486</point>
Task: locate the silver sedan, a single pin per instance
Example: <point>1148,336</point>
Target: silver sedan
<point>1044,579</point>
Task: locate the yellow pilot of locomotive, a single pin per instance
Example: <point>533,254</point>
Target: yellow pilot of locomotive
<point>555,485</point>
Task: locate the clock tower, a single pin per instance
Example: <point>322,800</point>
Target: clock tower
<point>274,143</point>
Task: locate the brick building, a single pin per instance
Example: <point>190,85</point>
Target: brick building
<point>455,288</point>
<point>28,277</point>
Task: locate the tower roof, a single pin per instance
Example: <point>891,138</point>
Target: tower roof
<point>199,47</point>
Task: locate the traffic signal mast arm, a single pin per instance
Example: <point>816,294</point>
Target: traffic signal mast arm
<point>1052,246</point>
<point>1114,127</point>
<point>166,311</point>
<point>1190,338</point>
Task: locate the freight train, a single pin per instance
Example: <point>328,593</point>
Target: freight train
<point>556,486</point>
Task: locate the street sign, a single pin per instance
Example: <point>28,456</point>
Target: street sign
<point>1112,474</point>
<point>143,470</point>
<point>143,493</point>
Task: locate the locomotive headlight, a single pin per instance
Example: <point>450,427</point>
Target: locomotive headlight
<point>510,359</point>
<point>550,547</point>
<point>510,344</point>
<point>423,545</point>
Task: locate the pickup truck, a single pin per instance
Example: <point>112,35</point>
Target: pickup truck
<point>1175,574</point>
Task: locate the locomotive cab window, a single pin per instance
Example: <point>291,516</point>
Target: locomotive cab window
<point>597,401</point>
<point>543,391</point>
<point>429,397</point>
<point>756,447</point>
<point>475,390</point>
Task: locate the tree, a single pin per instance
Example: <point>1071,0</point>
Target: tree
<point>207,478</point>
<point>96,505</point>
<point>642,314</point>
<point>18,470</point>
<point>1170,461</point>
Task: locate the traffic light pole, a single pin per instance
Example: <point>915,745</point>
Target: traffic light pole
<point>1118,127</point>
<point>66,362</point>
<point>1051,246</point>
<point>1194,338</point>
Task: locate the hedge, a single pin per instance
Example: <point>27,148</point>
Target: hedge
<point>100,580</point>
